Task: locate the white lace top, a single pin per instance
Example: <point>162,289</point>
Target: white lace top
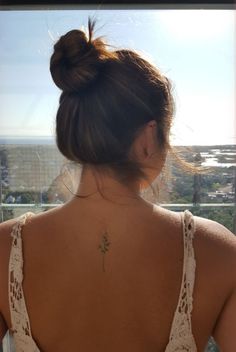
<point>181,338</point>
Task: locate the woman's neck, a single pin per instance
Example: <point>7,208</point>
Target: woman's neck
<point>92,181</point>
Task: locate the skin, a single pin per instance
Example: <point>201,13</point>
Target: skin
<point>74,304</point>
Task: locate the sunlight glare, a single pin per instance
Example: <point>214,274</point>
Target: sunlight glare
<point>196,24</point>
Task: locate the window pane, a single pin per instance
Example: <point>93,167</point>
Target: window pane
<point>194,48</point>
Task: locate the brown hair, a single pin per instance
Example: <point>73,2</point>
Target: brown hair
<point>107,96</point>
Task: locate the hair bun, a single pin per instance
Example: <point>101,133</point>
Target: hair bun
<point>76,60</point>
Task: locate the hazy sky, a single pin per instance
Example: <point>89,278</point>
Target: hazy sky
<point>194,48</point>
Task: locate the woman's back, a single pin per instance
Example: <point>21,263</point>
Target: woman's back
<point>73,304</point>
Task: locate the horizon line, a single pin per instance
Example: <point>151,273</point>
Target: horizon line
<point>7,139</point>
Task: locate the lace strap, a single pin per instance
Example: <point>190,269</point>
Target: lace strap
<point>181,329</point>
<point>19,316</point>
<point>189,230</point>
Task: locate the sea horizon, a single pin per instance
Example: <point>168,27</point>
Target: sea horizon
<point>52,140</point>
<point>27,140</point>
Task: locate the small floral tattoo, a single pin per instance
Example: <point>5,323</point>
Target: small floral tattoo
<point>104,248</point>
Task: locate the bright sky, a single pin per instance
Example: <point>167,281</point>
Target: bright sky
<point>194,48</point>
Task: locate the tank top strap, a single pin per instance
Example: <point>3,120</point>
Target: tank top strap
<point>190,264</point>
<point>19,317</point>
<point>181,330</point>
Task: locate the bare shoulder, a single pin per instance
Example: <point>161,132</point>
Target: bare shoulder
<point>167,217</point>
<point>216,237</point>
<point>5,237</point>
<point>214,244</point>
<point>219,244</point>
<point>6,228</point>
<point>215,231</point>
<point>211,236</point>
<point>215,250</point>
<point>5,246</point>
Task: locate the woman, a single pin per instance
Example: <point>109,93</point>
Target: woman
<point>109,271</point>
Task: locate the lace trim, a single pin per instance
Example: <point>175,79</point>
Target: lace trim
<point>19,316</point>
<point>181,338</point>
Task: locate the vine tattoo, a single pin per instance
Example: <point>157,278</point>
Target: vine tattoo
<point>104,248</point>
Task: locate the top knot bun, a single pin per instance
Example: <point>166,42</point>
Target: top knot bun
<point>76,60</point>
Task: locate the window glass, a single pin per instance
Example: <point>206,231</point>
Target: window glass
<point>194,48</point>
